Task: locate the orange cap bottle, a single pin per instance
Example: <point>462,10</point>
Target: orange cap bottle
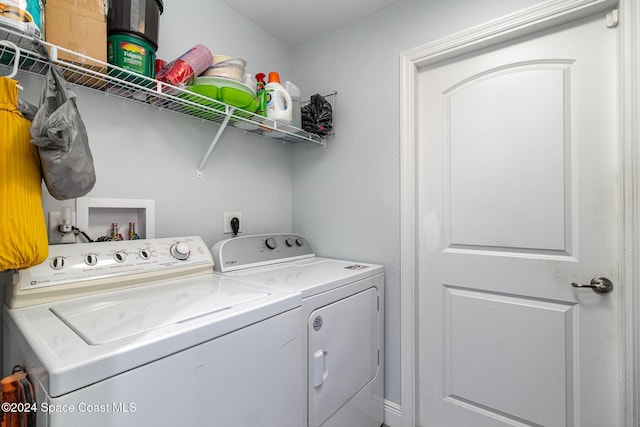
<point>274,77</point>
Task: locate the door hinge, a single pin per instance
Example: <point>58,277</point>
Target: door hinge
<point>613,18</point>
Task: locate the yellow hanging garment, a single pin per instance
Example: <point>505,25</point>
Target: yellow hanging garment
<point>23,233</point>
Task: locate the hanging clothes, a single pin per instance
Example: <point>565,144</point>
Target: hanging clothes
<point>23,233</point>
<point>17,393</point>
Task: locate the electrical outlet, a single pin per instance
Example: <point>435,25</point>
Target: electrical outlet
<point>227,221</point>
<point>55,236</point>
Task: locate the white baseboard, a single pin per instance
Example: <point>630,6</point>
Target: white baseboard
<point>392,414</point>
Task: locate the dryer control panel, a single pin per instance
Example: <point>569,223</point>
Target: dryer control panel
<point>81,269</point>
<point>259,249</point>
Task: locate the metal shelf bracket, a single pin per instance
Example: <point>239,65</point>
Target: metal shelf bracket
<point>224,124</point>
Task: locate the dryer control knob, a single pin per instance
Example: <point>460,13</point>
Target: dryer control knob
<point>180,250</point>
<point>289,241</point>
<point>299,241</point>
<point>271,243</point>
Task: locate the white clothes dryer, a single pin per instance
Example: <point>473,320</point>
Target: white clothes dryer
<point>342,322</point>
<point>143,333</point>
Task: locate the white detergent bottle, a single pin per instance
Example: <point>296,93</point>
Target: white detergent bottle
<point>296,112</point>
<point>279,105</point>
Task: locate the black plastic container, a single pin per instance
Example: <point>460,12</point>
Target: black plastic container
<point>139,17</point>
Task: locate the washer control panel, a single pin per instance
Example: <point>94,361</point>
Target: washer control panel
<point>74,268</point>
<point>259,249</point>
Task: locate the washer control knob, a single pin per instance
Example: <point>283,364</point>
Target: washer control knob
<point>180,251</point>
<point>289,241</point>
<point>91,259</point>
<point>144,254</point>
<point>57,263</point>
<point>120,256</point>
<point>271,243</point>
<point>299,241</point>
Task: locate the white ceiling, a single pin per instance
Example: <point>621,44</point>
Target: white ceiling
<point>293,21</point>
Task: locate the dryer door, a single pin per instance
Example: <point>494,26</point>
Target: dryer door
<point>343,352</point>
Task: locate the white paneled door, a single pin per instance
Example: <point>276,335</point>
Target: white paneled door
<point>518,203</point>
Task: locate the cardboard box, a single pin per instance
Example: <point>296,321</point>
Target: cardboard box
<point>92,9</point>
<point>80,26</point>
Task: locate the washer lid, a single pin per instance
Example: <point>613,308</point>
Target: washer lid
<point>119,315</point>
<point>84,340</point>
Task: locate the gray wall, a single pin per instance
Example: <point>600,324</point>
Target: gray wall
<point>344,198</point>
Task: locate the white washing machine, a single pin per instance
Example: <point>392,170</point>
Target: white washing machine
<point>342,322</point>
<point>143,333</point>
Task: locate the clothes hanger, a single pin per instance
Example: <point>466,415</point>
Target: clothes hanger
<point>16,60</point>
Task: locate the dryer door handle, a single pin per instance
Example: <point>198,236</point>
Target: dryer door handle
<point>319,368</point>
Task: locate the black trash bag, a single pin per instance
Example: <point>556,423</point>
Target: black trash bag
<point>61,137</point>
<point>317,116</point>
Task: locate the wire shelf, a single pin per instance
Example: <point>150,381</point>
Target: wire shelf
<point>112,80</point>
